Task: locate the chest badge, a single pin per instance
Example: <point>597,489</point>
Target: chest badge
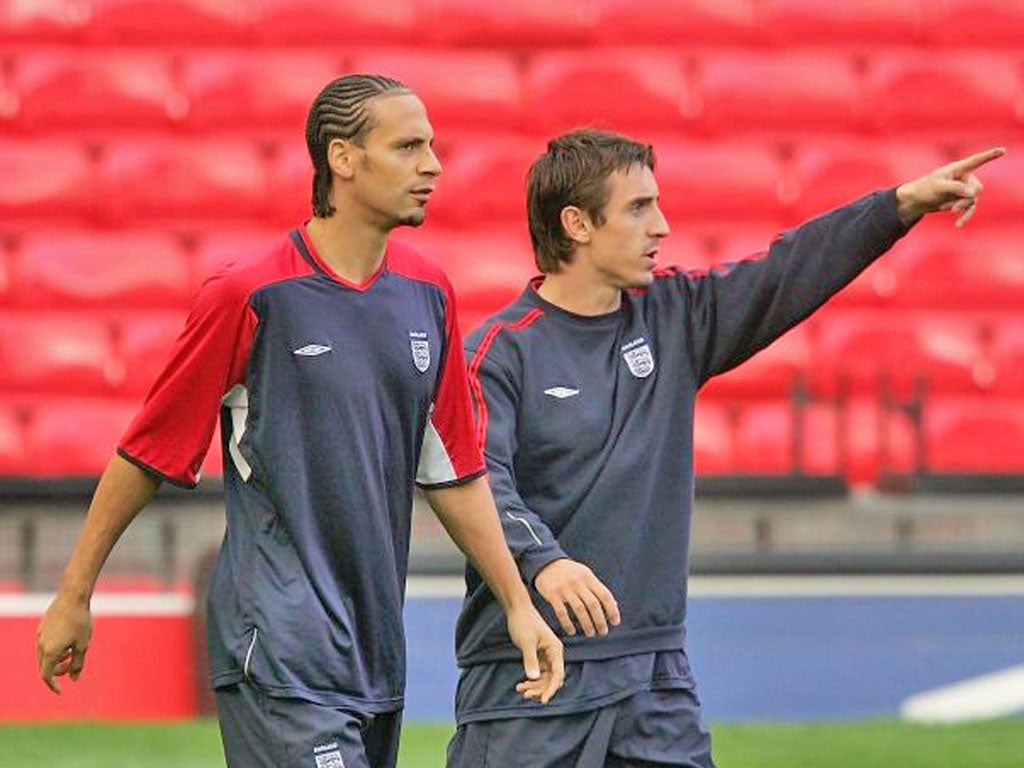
<point>420,346</point>
<point>638,357</point>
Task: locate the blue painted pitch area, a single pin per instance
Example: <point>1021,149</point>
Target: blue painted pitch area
<point>786,658</point>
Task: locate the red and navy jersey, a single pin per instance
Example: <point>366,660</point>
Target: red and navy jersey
<point>335,399</point>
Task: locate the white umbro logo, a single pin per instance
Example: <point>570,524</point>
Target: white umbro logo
<point>561,392</point>
<point>311,350</point>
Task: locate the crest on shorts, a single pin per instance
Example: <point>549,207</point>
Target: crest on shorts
<point>328,756</point>
<point>420,345</point>
<point>638,357</point>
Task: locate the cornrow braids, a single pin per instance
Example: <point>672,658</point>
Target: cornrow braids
<point>339,112</point>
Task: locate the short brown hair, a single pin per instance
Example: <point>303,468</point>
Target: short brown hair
<point>575,171</point>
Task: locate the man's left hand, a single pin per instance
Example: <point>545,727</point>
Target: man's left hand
<point>952,187</point>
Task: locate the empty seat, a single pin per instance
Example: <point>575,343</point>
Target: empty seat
<point>713,442</point>
<point>983,436</point>
<point>77,89</point>
<point>720,180</point>
<point>801,92</point>
<point>237,90</point>
<point>621,90</point>
<point>871,350</point>
<point>979,270</point>
<point>145,340</point>
<point>525,23</point>
<point>462,89</point>
<point>975,23</point>
<point>485,180</point>
<point>57,353</point>
<point>1008,356</point>
<point>343,23</point>
<point>162,178</point>
<point>97,268</point>
<point>950,94</point>
<point>875,441</point>
<point>773,372</point>
<point>290,177</point>
<point>160,22</point>
<point>13,459</point>
<point>774,439</point>
<point>42,178</point>
<point>830,173</point>
<point>75,436</point>
<point>220,247</point>
<point>867,23</point>
<point>676,22</point>
<point>42,21</point>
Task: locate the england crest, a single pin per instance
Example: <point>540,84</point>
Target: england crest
<point>420,346</point>
<point>638,358</point>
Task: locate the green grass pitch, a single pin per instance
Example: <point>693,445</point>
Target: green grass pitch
<point>865,744</point>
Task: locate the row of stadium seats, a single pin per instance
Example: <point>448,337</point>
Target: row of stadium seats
<point>74,437</point>
<point>892,92</point>
<point>70,268</point>
<point>853,351</point>
<point>121,178</point>
<point>520,23</point>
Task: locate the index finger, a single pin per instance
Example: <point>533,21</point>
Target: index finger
<point>969,163</point>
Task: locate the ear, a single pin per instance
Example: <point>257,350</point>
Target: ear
<point>341,157</point>
<point>576,224</point>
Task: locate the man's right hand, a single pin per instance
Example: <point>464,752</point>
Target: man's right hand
<point>569,585</point>
<point>63,639</point>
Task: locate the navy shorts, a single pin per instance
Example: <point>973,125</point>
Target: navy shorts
<point>663,729</point>
<point>261,731</point>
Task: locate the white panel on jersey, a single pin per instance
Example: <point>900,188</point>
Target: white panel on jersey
<point>435,464</point>
<point>237,399</point>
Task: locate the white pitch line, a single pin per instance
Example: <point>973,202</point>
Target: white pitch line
<point>998,694</point>
<point>128,604</point>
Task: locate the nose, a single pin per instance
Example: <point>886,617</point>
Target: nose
<point>430,166</point>
<point>659,226</point>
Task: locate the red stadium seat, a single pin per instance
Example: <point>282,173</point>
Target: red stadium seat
<point>162,178</point>
<point>66,354</point>
<point>616,89</point>
<point>956,93</point>
<point>111,269</point>
<point>721,180</point>
<point>161,22</point>
<point>241,91</point>
<point>485,180</point>
<point>979,270</point>
<point>524,23</point>
<point>714,450</point>
<point>793,92</point>
<point>216,249</point>
<point>342,23</point>
<point>42,21</point>
<point>480,90</point>
<point>974,436</point>
<point>772,372</point>
<point>45,178</point>
<point>13,460</point>
<point>867,23</point>
<point>766,444</point>
<point>290,176</point>
<point>105,89</point>
<point>875,441</point>
<point>1008,356</point>
<point>975,23</point>
<point>864,348</point>
<point>75,436</point>
<point>145,342</point>
<point>830,173</point>
<point>676,22</point>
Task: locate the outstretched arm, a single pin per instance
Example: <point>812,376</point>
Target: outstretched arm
<point>468,514</point>
<point>66,627</point>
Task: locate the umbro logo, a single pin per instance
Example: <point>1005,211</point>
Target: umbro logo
<point>311,350</point>
<point>561,392</point>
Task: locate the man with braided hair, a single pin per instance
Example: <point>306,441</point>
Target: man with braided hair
<point>334,362</point>
<point>584,389</point>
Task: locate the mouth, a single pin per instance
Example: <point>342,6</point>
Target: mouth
<point>422,193</point>
<point>651,256</point>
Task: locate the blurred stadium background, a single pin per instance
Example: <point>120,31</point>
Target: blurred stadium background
<point>860,530</point>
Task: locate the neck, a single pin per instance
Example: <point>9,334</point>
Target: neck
<point>574,292</point>
<point>351,248</point>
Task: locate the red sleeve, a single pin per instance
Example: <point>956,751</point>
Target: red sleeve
<point>171,434</point>
<point>450,453</point>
